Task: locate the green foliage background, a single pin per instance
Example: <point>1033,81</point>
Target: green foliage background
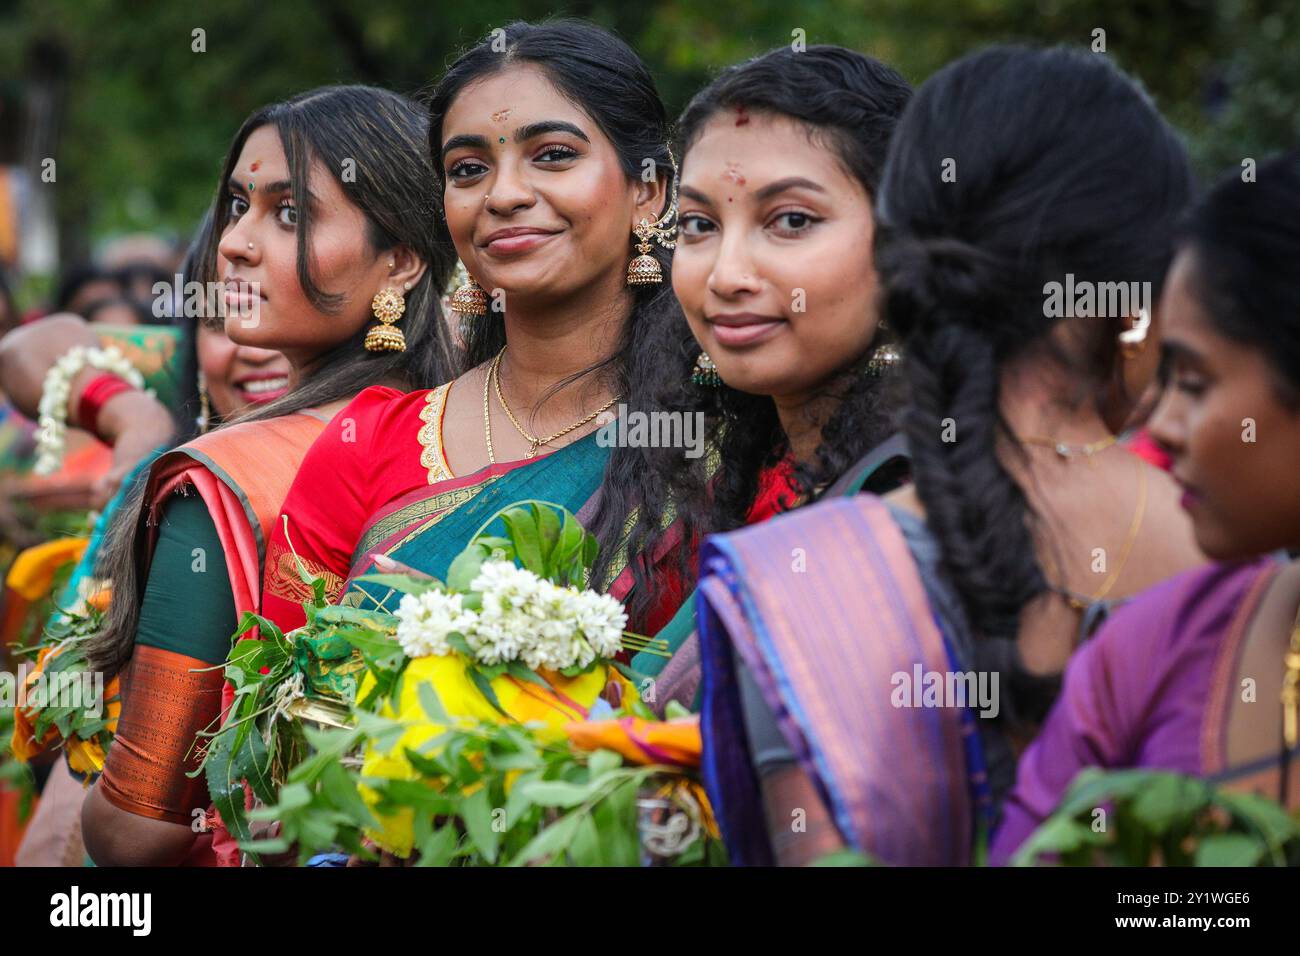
<point>146,120</point>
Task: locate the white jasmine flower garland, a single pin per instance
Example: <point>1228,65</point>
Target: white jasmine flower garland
<point>424,623</point>
<point>523,617</point>
<point>52,412</point>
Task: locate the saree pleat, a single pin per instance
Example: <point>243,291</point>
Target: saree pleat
<point>823,643</point>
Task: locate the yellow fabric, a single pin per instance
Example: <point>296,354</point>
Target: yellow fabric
<point>32,574</point>
<point>463,702</point>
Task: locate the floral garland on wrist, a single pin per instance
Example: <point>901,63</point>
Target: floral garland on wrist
<point>51,434</point>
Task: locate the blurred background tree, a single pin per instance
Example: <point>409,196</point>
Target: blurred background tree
<point>138,121</point>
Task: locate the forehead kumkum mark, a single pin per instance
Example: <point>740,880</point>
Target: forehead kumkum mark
<point>742,116</point>
<point>256,165</point>
<point>500,116</point>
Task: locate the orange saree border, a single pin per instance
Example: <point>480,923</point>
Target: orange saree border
<point>243,489</point>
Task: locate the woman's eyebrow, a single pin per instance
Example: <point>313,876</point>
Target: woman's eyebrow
<point>695,196</point>
<point>1175,350</point>
<point>781,185</point>
<point>542,127</point>
<point>269,189</point>
<point>463,141</point>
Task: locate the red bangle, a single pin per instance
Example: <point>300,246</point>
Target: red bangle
<point>95,395</point>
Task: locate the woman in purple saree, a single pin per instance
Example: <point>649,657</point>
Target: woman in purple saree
<point>911,795</point>
<point>872,665</point>
<point>1189,676</point>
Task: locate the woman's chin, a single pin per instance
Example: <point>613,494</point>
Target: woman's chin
<point>528,282</point>
<point>758,371</point>
<point>252,330</point>
<point>750,383</point>
<point>1222,545</point>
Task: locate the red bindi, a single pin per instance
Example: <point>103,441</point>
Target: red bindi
<point>255,166</point>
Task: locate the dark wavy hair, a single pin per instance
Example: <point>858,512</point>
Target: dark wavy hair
<point>384,134</point>
<point>602,76</point>
<point>1246,239</point>
<point>1062,164</point>
<point>380,135</point>
<point>189,403</point>
<point>850,103</point>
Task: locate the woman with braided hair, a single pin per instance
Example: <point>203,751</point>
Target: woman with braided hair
<point>1163,683</point>
<point>842,701</point>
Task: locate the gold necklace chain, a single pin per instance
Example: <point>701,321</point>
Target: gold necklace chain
<point>1068,451</point>
<point>1135,526</point>
<point>487,419</point>
<point>494,376</point>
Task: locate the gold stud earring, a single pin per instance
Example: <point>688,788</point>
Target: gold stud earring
<point>388,307</point>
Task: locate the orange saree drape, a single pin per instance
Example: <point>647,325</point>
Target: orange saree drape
<point>242,473</point>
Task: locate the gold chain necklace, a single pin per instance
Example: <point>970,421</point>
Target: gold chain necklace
<point>494,377</point>
<point>487,419</point>
<point>1068,451</point>
<point>1135,526</point>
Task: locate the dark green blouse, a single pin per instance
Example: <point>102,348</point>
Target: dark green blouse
<point>188,606</point>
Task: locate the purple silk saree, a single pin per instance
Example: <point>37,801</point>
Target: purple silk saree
<point>1155,688</point>
<point>825,607</point>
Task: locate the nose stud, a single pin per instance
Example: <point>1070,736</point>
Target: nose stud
<point>250,247</point>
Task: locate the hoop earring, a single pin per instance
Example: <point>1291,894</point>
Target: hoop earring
<point>705,372</point>
<point>388,307</point>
